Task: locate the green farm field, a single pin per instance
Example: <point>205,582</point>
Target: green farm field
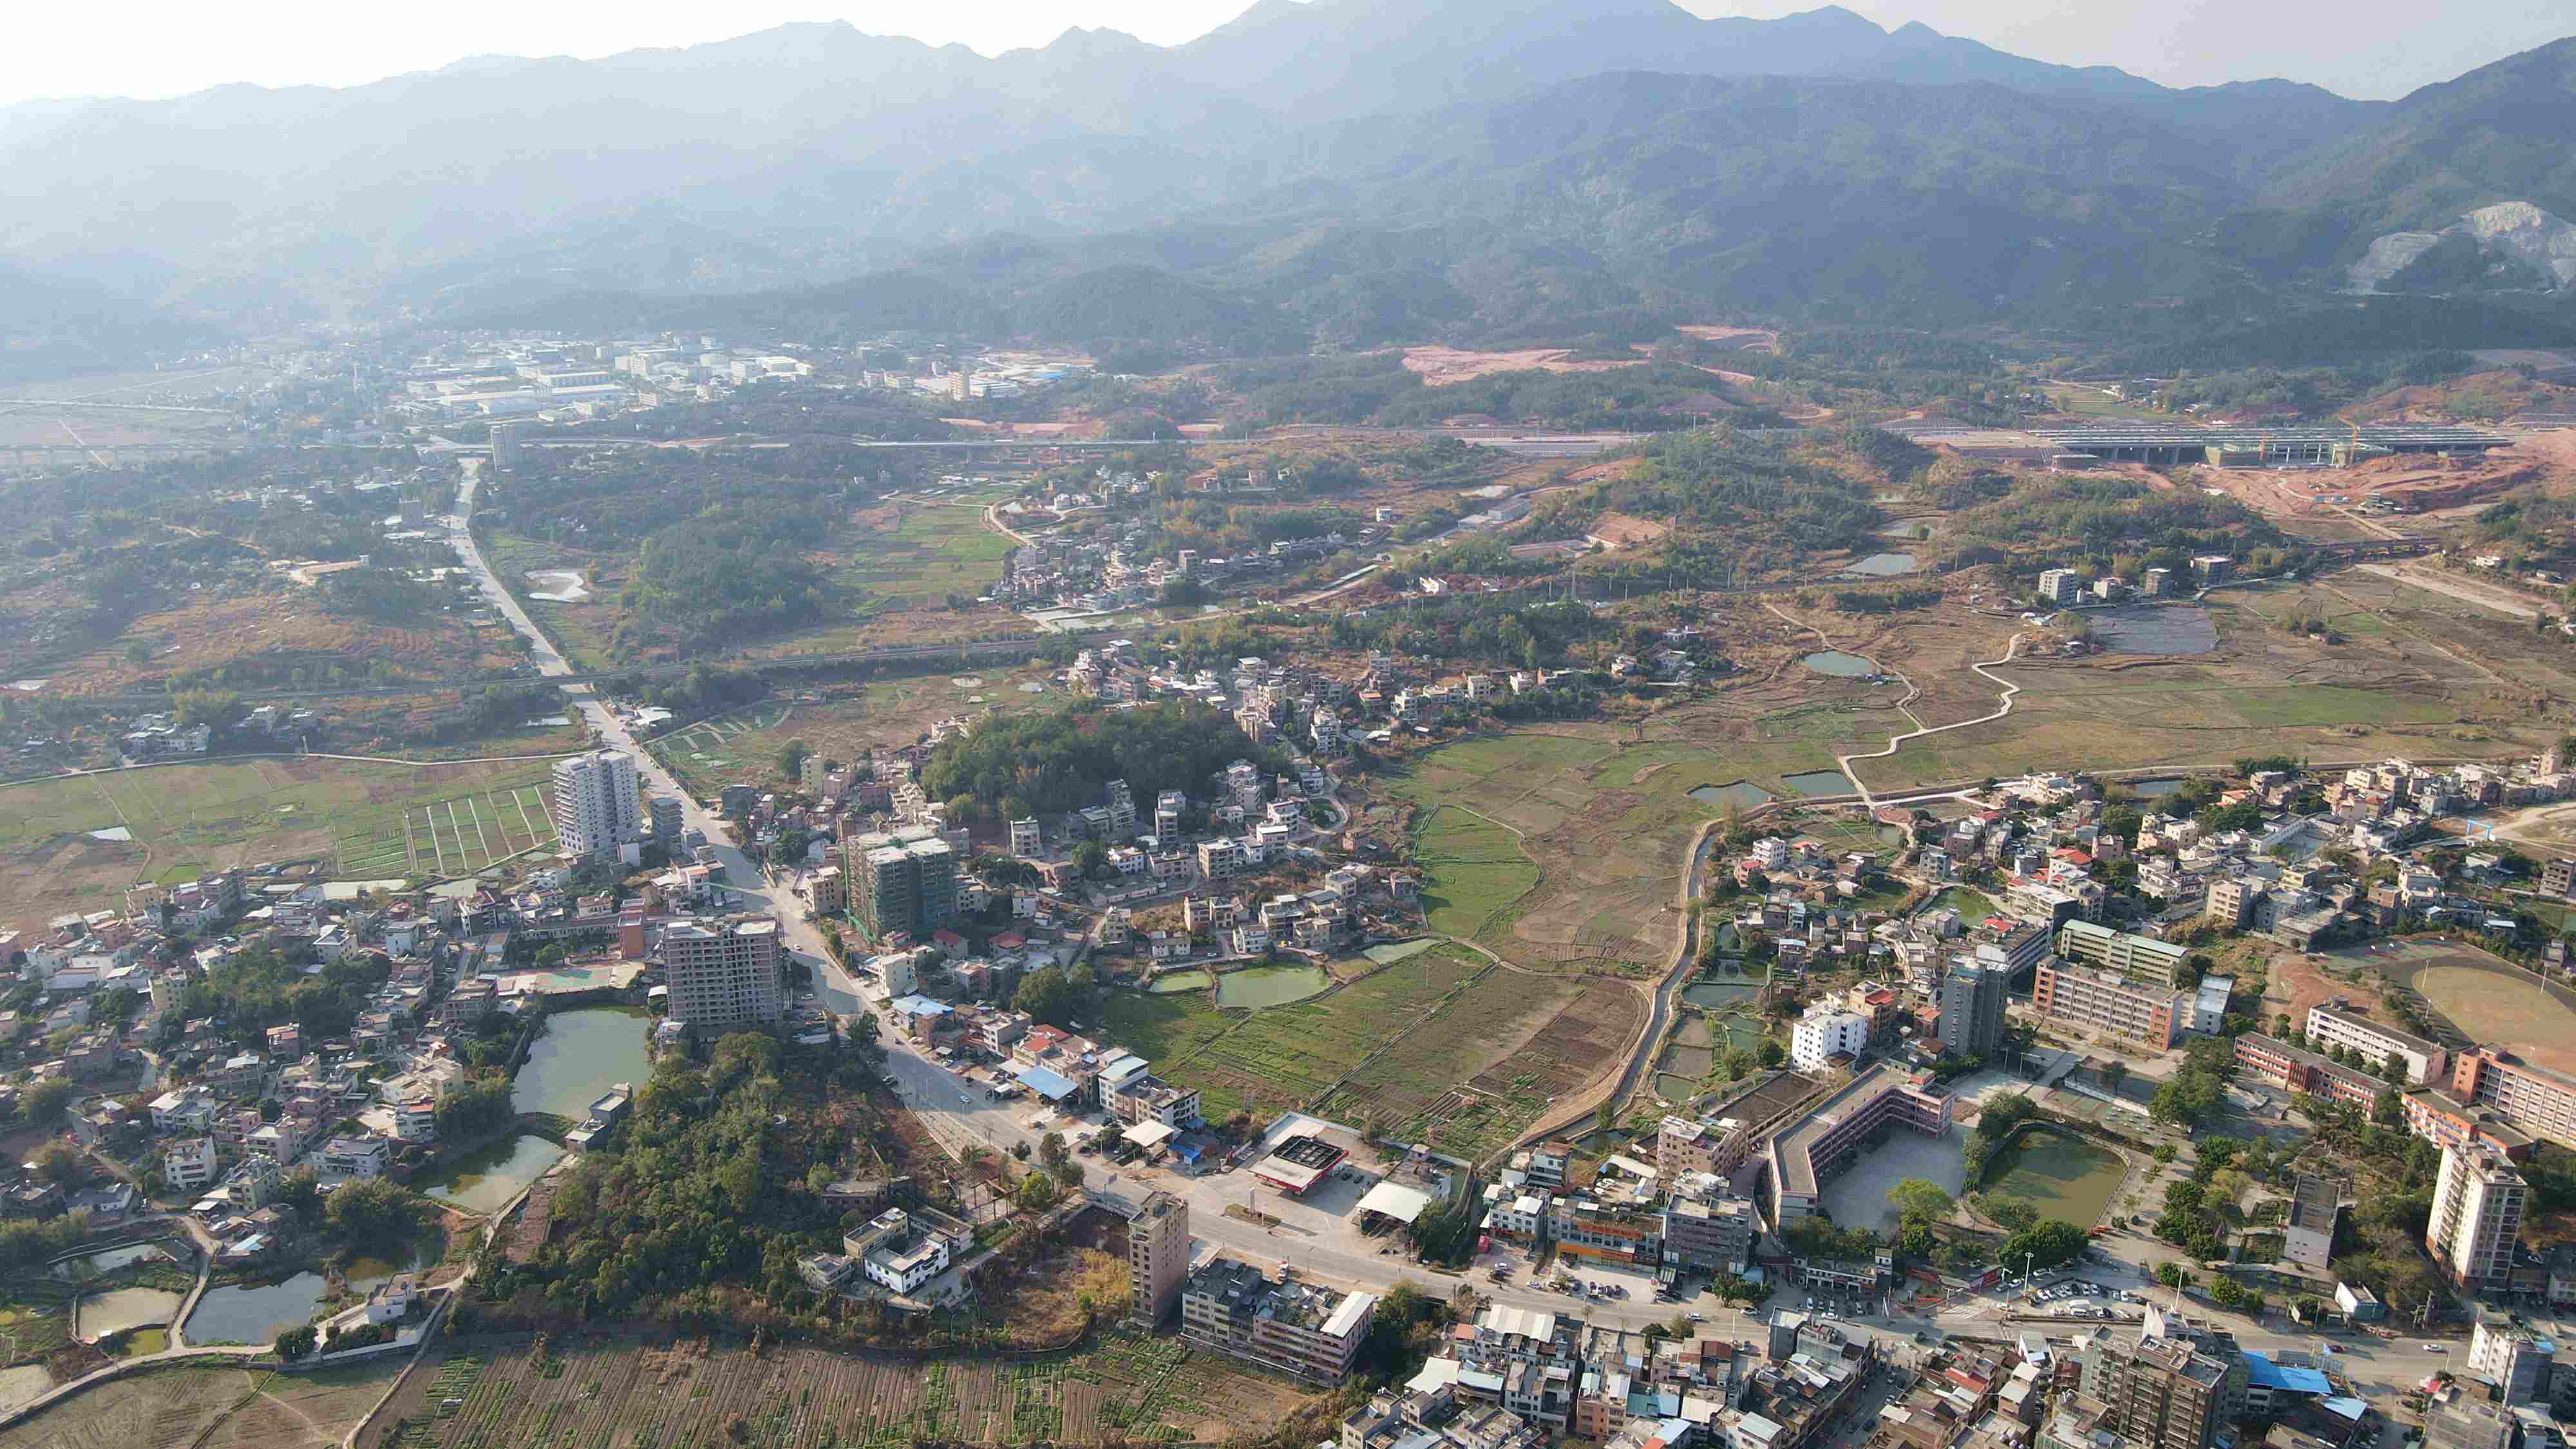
<point>1476,867</point>
<point>2185,717</point>
<point>375,821</point>
<point>1286,1057</point>
<point>930,552</point>
<point>1590,881</point>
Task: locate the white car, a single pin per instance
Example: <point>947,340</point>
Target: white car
<point>2435,1348</point>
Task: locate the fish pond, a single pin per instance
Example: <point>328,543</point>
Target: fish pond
<point>1257,987</point>
<point>486,1180</point>
<point>254,1313</point>
<point>578,1057</point>
<point>2064,1176</point>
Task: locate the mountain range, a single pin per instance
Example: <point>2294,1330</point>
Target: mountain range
<point>1345,171</point>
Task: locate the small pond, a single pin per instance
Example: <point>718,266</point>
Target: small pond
<point>108,1260</point>
<point>486,1180</point>
<point>1880,565</point>
<point>105,1313</point>
<point>561,586</point>
<point>1694,1031</point>
<point>1719,993</point>
<point>578,1057</point>
<point>254,1312</point>
<point>1172,983</point>
<point>1257,987</point>
<point>2144,629</point>
<point>362,1274</point>
<point>1743,794</point>
<point>2065,1177</point>
<point>1838,664</point>
<point>2155,789</point>
<point>1688,1061</point>
<point>1819,782</point>
<point>1674,1088</point>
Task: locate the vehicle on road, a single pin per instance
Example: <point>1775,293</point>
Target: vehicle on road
<point>2435,1348</point>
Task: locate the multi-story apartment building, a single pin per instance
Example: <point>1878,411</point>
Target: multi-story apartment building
<point>2331,1026</point>
<point>597,807</point>
<point>2478,1203</point>
<point>2279,1065</point>
<point>2106,1003</point>
<point>2161,1392</point>
<point>2141,959</point>
<point>1972,1009</point>
<point>1714,1237</point>
<point>2446,1121</point>
<point>189,1163</point>
<point>1596,1232</point>
<point>668,822</point>
<point>2517,1361</point>
<point>2558,878</point>
<point>902,884</point>
<point>2061,586</point>
<point>1823,1034</point>
<point>1829,1136</point>
<point>2534,1098</point>
<point>724,976</point>
<point>2231,901</point>
<point>2307,1233</point>
<point>1158,1259</point>
<point>1308,1331</point>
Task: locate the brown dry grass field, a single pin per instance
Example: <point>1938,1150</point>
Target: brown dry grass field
<point>2497,1007</point>
<point>282,629</point>
<point>691,1391</point>
<point>216,1408</point>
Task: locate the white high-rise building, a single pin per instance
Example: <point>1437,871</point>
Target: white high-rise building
<point>1822,1035</point>
<point>597,806</point>
<point>2477,1215</point>
<point>725,975</point>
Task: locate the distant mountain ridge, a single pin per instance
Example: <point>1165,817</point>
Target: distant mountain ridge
<point>1358,167</point>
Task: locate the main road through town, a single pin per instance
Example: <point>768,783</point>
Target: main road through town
<point>1320,1245</point>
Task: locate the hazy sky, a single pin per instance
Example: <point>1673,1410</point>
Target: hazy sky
<point>2375,48</point>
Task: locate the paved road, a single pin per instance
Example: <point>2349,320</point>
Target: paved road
<point>1318,1245</point>
<point>752,889</point>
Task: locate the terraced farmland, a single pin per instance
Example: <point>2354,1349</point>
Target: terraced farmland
<point>693,1395</point>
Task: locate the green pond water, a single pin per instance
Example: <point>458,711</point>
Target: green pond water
<point>1742,793</point>
<point>2155,789</point>
<point>2067,1178</point>
<point>254,1313</point>
<point>1819,782</point>
<point>1842,666</point>
<point>1172,983</point>
<point>578,1057</point>
<point>1257,987</point>
<point>1675,1088</point>
<point>486,1181</point>
<point>367,1272</point>
<point>1719,993</point>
